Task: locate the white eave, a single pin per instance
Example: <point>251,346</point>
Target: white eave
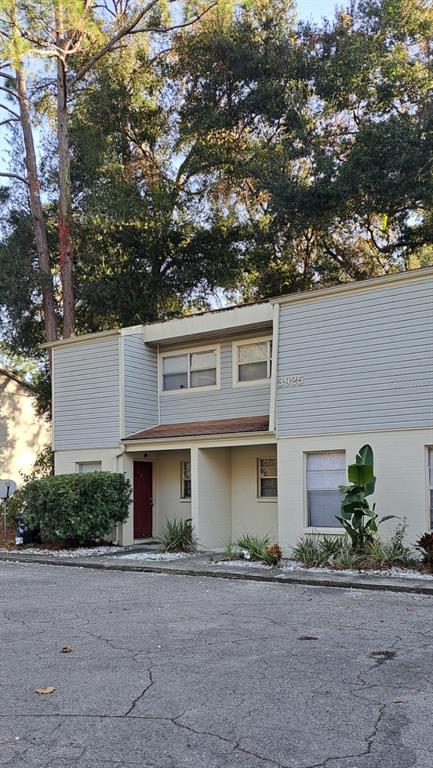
<point>250,317</point>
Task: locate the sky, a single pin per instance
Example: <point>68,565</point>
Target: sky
<point>315,9</point>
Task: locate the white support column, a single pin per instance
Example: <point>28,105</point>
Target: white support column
<point>211,496</point>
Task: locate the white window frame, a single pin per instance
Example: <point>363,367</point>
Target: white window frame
<point>260,477</point>
<point>182,480</point>
<point>429,458</point>
<point>80,464</point>
<point>235,364</point>
<point>189,351</point>
<point>314,529</point>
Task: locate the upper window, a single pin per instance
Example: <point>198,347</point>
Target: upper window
<point>89,466</point>
<point>325,472</point>
<point>189,370</point>
<point>267,485</point>
<point>253,361</point>
<point>430,483</point>
<point>185,480</point>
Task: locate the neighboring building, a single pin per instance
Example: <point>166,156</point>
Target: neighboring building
<point>245,419</point>
<point>23,434</point>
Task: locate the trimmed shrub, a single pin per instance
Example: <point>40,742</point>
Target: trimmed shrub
<point>78,508</point>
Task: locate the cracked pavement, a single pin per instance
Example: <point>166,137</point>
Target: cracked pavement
<point>188,672</point>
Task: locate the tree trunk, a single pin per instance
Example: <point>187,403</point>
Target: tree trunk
<point>46,280</point>
<point>65,217</point>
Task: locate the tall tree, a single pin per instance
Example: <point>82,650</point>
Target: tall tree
<point>73,36</point>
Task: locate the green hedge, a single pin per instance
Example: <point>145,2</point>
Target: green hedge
<point>80,508</point>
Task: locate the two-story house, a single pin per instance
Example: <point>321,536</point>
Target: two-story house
<point>245,418</point>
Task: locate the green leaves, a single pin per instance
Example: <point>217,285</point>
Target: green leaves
<point>357,518</point>
<point>80,508</point>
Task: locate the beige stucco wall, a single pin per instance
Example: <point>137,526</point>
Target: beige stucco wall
<point>22,433</point>
<point>66,462</point>
<point>400,468</point>
<point>211,498</point>
<point>249,513</point>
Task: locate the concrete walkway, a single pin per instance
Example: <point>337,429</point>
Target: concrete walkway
<point>202,565</point>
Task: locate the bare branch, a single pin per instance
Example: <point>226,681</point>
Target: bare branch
<point>9,121</point>
<point>163,30</point>
<point>132,28</point>
<point>11,111</point>
<point>15,176</point>
<point>9,92</point>
<point>113,40</point>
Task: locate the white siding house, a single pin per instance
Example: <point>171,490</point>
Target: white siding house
<point>245,418</point>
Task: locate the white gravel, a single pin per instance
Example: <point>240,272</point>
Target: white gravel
<point>293,565</point>
<point>77,552</point>
<point>140,556</point>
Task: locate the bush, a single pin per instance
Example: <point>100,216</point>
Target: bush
<point>178,536</point>
<point>339,552</point>
<point>316,550</point>
<point>258,548</point>
<point>273,554</point>
<point>255,546</point>
<point>425,545</point>
<point>78,508</point>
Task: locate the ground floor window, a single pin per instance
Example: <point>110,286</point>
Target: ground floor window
<point>325,472</point>
<point>89,466</point>
<point>430,483</point>
<point>267,485</point>
<point>185,479</point>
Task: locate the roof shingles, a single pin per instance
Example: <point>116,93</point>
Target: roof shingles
<point>198,428</point>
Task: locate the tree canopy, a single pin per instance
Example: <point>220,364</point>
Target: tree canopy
<point>239,157</point>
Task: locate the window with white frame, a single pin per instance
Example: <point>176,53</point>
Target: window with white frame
<point>185,479</point>
<point>325,472</point>
<point>267,484</point>
<point>189,370</point>
<point>430,483</point>
<point>253,361</point>
<point>89,466</point>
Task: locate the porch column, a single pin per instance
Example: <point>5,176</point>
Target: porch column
<point>210,496</point>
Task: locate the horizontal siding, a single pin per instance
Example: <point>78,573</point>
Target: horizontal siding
<point>140,384</point>
<point>86,395</point>
<point>366,359</point>
<point>228,402</point>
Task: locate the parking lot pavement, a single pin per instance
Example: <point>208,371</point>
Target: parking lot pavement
<point>186,672</point>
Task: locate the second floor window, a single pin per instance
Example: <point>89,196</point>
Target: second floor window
<point>253,361</point>
<point>190,370</point>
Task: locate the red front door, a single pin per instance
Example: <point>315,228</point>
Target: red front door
<point>142,499</point>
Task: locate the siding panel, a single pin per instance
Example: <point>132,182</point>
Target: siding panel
<point>86,395</point>
<point>226,403</point>
<point>366,359</point>
<point>140,384</point>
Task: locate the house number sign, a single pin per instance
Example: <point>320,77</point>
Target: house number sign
<point>290,381</point>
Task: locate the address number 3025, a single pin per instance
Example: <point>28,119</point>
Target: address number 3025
<point>290,381</point>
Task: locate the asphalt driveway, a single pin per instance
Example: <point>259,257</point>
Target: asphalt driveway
<point>186,672</point>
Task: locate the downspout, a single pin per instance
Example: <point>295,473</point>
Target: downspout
<point>275,351</point>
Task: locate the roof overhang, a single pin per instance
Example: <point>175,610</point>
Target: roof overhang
<point>251,317</point>
<point>355,286</point>
<point>200,441</point>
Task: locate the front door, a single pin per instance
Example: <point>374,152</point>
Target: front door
<point>143,503</point>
